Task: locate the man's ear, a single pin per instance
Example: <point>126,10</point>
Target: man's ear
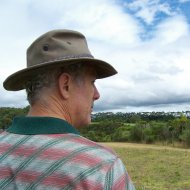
<point>63,84</point>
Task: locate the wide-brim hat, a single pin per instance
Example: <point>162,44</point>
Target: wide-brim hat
<point>53,49</point>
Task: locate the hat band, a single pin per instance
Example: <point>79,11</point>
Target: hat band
<point>70,57</point>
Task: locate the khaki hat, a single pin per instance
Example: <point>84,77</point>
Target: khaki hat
<point>56,48</point>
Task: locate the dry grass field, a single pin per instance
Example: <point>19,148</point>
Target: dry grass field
<point>154,167</point>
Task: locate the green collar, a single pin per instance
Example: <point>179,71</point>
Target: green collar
<point>40,125</point>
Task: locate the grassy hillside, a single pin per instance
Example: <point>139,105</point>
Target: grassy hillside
<point>154,167</point>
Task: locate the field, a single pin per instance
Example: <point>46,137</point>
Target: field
<point>153,167</point>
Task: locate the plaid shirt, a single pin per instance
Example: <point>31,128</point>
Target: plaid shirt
<point>48,153</point>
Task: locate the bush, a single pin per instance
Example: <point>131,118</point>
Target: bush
<point>150,139</point>
<point>148,136</point>
<point>136,134</point>
<point>100,131</point>
<point>121,134</point>
<point>185,137</point>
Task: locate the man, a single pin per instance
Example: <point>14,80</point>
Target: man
<point>44,149</point>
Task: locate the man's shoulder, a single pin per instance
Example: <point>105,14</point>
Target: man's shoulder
<point>95,147</point>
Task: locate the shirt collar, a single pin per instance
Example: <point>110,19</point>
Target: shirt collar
<point>40,125</point>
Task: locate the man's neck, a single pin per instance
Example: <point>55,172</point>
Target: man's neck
<point>50,110</point>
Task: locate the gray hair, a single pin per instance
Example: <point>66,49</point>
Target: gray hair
<point>48,80</point>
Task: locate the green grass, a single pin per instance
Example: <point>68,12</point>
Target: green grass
<point>130,124</point>
<point>154,167</point>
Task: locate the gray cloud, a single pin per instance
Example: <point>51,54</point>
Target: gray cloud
<point>151,103</point>
<point>12,99</point>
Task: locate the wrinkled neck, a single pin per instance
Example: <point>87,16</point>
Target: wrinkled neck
<point>51,107</point>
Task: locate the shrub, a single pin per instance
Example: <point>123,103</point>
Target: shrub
<point>136,134</point>
<point>121,134</point>
<point>148,136</point>
<point>185,137</point>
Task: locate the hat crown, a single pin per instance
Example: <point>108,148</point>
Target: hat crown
<point>57,45</point>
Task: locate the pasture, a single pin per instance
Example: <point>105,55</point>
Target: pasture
<point>154,167</point>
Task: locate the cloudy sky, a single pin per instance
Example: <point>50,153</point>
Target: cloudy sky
<point>147,41</point>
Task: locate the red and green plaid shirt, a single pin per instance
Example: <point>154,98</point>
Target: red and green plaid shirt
<point>48,153</point>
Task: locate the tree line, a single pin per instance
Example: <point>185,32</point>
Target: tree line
<point>142,127</point>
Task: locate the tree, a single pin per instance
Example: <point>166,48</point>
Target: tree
<point>185,137</point>
<point>121,134</point>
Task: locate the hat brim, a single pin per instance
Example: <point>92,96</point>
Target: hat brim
<point>17,80</point>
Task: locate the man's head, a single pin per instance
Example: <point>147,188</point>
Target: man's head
<point>69,91</point>
<point>48,80</point>
<point>60,75</point>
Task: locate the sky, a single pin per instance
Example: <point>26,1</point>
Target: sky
<point>147,41</point>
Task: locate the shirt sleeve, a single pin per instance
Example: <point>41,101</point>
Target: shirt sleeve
<point>118,178</point>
